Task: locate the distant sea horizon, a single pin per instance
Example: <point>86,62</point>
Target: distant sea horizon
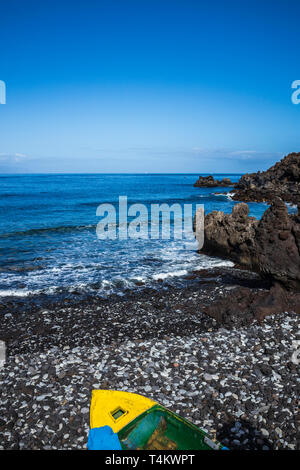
<point>124,173</point>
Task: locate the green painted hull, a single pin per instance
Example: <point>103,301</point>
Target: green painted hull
<point>160,429</point>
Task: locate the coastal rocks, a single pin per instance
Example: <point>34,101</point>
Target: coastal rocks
<point>277,246</point>
<point>230,235</point>
<point>281,180</point>
<point>244,305</point>
<point>270,246</point>
<point>210,182</point>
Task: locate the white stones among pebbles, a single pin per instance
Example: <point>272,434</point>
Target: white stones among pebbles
<point>239,384</point>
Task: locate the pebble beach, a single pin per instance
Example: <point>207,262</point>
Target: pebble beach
<point>240,384</point>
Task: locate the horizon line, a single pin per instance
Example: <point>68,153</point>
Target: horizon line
<point>123,173</point>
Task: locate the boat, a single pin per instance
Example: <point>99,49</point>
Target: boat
<point>136,422</point>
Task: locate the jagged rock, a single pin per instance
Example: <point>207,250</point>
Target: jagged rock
<point>281,180</point>
<point>230,235</point>
<point>277,246</point>
<point>210,182</point>
<point>270,246</point>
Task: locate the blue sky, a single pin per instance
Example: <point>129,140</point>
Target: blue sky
<point>148,85</point>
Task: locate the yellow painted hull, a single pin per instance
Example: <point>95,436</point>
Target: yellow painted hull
<point>141,423</point>
<point>105,405</point>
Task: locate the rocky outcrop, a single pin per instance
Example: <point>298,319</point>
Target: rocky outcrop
<point>277,246</point>
<point>244,305</point>
<point>231,235</point>
<point>281,180</point>
<point>270,246</point>
<point>210,182</point>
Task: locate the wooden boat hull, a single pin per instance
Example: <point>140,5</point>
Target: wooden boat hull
<point>143,424</point>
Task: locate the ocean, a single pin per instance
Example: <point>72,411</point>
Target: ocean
<point>48,240</point>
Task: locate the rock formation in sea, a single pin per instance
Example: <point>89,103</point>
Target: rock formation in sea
<point>281,180</point>
<point>210,182</point>
<point>270,246</point>
<point>230,235</point>
<point>277,246</point>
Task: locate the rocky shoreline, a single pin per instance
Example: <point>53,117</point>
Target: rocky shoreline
<point>237,381</point>
<point>221,351</point>
<point>269,246</point>
<point>281,180</point>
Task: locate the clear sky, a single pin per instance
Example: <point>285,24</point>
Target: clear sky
<point>148,85</point>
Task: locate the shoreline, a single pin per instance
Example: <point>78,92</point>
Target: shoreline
<point>239,383</point>
<point>231,275</point>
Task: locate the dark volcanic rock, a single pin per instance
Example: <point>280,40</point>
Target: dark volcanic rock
<point>277,246</point>
<point>244,305</point>
<point>281,180</point>
<point>231,235</point>
<point>270,246</point>
<point>210,182</point>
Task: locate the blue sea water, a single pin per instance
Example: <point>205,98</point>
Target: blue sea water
<point>48,241</point>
